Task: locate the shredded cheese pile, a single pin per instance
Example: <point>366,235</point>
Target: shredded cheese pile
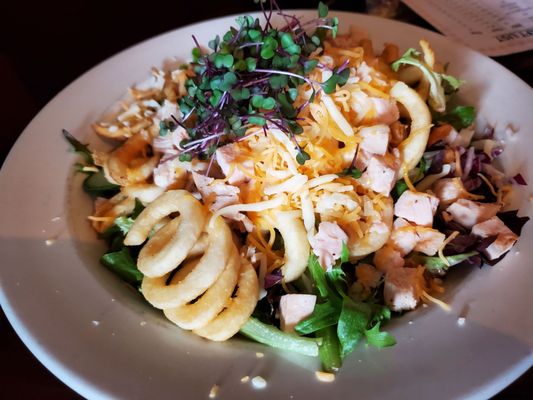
<point>330,137</point>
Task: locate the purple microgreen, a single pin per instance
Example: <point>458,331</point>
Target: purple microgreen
<point>251,77</point>
<point>223,60</point>
<point>287,73</point>
<point>213,44</point>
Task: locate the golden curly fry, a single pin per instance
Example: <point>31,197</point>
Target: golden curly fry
<point>131,163</point>
<point>198,314</point>
<point>199,247</point>
<point>292,229</point>
<point>145,192</point>
<point>199,294</point>
<point>239,309</point>
<point>194,281</point>
<point>412,148</point>
<point>172,243</point>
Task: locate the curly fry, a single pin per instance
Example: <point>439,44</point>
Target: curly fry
<point>131,163</point>
<point>229,321</point>
<point>171,244</point>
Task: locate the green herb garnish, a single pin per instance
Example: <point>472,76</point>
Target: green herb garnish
<point>460,117</point>
<point>338,320</point>
<point>122,264</point>
<point>353,172</point>
<point>251,77</point>
<point>437,98</point>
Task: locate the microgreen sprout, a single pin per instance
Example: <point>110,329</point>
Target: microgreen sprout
<point>251,77</point>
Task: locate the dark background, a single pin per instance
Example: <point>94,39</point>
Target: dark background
<point>46,45</point>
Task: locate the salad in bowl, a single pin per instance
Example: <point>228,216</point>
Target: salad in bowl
<point>297,186</point>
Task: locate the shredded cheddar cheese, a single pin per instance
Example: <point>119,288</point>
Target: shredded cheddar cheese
<point>489,184</point>
<point>438,302</point>
<point>408,182</point>
<point>452,236</point>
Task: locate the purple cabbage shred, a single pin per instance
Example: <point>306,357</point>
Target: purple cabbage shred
<point>274,278</point>
<point>518,178</point>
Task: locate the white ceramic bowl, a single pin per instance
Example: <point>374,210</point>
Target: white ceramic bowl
<point>101,339</point>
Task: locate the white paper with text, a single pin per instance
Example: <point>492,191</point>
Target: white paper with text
<point>493,27</point>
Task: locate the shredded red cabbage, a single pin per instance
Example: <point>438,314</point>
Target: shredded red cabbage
<point>437,161</point>
<point>468,162</point>
<point>273,278</point>
<point>518,178</point>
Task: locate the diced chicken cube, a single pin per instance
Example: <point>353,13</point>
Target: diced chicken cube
<point>169,174</point>
<point>505,237</point>
<point>388,258</point>
<point>386,110</point>
<point>375,139</point>
<point>362,159</point>
<point>419,238</point>
<point>416,207</point>
<point>404,239</point>
<point>403,288</point>
<point>379,176</point>
<point>429,240</point>
<point>170,144</point>
<point>468,212</point>
<point>294,308</point>
<point>400,223</point>
<point>215,195</point>
<point>167,110</point>
<point>448,190</point>
<point>327,243</point>
<point>227,158</point>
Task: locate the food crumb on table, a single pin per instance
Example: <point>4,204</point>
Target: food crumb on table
<point>259,355</point>
<point>213,392</point>
<point>258,382</point>
<point>461,321</point>
<point>245,379</point>
<point>324,376</point>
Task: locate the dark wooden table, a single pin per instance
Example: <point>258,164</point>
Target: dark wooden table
<point>46,45</point>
